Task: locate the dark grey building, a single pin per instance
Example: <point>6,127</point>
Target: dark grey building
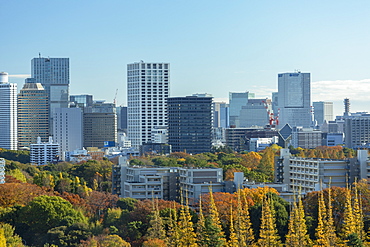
<point>190,124</point>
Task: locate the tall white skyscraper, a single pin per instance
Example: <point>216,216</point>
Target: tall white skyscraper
<point>8,113</point>
<point>294,99</point>
<point>53,74</point>
<point>147,90</point>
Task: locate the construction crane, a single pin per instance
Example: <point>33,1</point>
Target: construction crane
<point>115,97</point>
<point>273,119</point>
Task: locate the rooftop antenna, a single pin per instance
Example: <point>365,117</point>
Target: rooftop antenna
<point>39,54</point>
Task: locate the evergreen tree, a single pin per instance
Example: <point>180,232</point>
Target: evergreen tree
<point>233,240</point>
<point>156,229</point>
<point>215,234</point>
<point>268,232</point>
<point>202,238</point>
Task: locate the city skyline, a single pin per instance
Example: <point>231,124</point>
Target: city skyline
<point>238,46</point>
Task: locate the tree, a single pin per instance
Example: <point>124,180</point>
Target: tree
<point>202,238</point>
<point>19,193</point>
<point>243,225</point>
<point>215,234</point>
<point>154,243</point>
<point>268,230</point>
<point>185,228</point>
<point>233,240</point>
<point>321,238</point>
<point>2,238</point>
<point>297,233</point>
<point>127,203</point>
<point>267,162</point>
<point>12,239</point>
<point>46,212</point>
<point>156,228</point>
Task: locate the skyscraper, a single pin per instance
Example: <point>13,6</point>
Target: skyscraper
<point>237,101</point>
<point>190,124</point>
<point>147,91</point>
<point>53,74</point>
<point>323,111</point>
<point>294,99</point>
<point>8,113</point>
<point>68,129</point>
<point>33,114</point>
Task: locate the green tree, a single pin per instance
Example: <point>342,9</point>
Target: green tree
<point>17,174</point>
<point>267,162</point>
<point>46,212</point>
<point>12,239</point>
<point>2,238</point>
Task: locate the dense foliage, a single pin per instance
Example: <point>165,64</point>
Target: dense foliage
<point>68,204</point>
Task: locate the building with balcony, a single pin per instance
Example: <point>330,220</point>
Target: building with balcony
<point>307,173</point>
<point>43,153</point>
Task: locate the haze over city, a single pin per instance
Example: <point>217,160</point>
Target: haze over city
<point>212,46</point>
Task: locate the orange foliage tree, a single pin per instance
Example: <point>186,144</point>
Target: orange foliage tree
<point>19,193</point>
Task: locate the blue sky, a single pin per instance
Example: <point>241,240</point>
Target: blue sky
<point>213,46</point>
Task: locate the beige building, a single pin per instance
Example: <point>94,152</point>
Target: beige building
<point>33,114</point>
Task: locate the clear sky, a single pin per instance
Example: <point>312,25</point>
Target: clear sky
<point>213,46</point>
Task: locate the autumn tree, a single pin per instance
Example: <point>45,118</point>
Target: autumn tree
<point>156,228</point>
<point>243,225</point>
<point>267,162</point>
<point>215,234</point>
<point>268,231</point>
<point>297,233</point>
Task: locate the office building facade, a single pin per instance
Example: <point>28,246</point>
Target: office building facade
<point>53,74</point>
<point>294,99</point>
<point>147,90</point>
<point>99,128</point>
<point>8,113</point>
<point>33,114</point>
<point>323,111</point>
<point>357,132</point>
<point>236,103</point>
<point>68,129</point>
<point>190,124</point>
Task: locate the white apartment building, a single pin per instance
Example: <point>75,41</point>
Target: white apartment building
<point>68,129</point>
<point>43,153</point>
<point>147,90</point>
<point>307,173</point>
<point>2,170</point>
<point>8,113</point>
<point>194,182</point>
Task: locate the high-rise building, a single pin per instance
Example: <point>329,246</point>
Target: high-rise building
<point>220,115</point>
<point>147,90</point>
<point>68,129</point>
<point>323,111</point>
<point>255,113</point>
<point>122,118</point>
<point>294,99</point>
<point>99,128</point>
<point>357,132</point>
<point>33,114</point>
<point>8,113</point>
<point>236,102</point>
<point>190,124</point>
<point>81,101</point>
<point>53,74</point>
